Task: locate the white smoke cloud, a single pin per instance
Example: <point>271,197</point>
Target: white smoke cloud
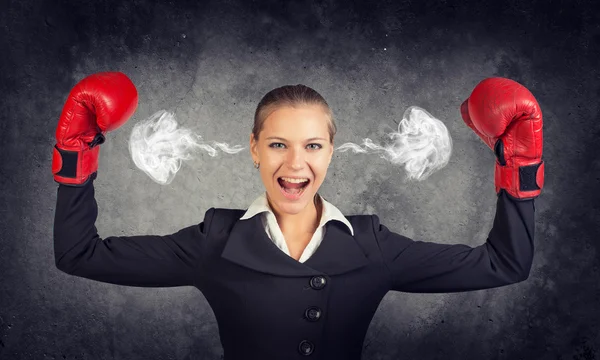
<point>158,147</point>
<point>422,144</point>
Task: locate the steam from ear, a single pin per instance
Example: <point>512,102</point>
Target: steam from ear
<point>422,144</point>
<point>157,146</point>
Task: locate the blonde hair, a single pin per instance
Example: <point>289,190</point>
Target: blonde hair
<point>290,95</point>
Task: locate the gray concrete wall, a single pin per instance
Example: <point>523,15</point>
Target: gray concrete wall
<point>211,64</point>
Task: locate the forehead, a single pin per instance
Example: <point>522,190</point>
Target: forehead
<point>309,119</point>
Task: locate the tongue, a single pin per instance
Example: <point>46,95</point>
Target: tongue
<point>289,185</point>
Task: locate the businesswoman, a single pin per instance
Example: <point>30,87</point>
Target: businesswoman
<point>291,277</point>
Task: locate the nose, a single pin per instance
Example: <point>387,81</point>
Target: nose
<point>296,159</point>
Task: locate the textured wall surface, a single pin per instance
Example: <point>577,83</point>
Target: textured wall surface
<point>210,63</point>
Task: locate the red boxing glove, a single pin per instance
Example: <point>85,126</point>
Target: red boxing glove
<point>99,103</point>
<point>508,119</point>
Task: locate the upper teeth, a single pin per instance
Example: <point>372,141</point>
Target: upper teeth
<point>294,180</point>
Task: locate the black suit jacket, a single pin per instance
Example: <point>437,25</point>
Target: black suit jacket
<point>270,306</point>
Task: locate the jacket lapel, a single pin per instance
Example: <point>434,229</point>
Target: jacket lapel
<point>248,245</point>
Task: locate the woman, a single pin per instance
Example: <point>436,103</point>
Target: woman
<point>291,277</point>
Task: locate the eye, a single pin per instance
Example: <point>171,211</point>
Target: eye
<point>273,145</point>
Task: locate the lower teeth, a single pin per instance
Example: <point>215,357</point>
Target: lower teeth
<point>293,191</point>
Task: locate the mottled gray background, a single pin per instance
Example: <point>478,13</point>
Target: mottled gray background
<point>211,63</point>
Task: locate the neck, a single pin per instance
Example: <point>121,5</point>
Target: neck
<point>306,221</point>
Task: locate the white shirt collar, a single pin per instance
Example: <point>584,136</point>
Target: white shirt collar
<point>330,212</point>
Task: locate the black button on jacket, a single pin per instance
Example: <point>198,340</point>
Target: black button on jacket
<point>319,309</point>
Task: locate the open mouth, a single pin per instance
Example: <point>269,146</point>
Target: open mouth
<point>292,190</point>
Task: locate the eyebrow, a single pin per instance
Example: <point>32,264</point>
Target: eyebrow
<point>311,139</point>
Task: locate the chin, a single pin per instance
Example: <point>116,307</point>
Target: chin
<point>292,210</point>
<point>291,206</point>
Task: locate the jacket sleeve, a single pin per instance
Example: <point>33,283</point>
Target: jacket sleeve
<point>144,261</point>
<point>427,267</point>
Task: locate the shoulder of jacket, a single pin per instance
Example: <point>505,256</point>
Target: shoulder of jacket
<point>361,223</point>
<point>223,219</point>
<point>222,212</point>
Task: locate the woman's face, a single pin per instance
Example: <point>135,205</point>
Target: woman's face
<point>294,142</point>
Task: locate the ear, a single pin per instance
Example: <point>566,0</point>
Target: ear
<point>253,146</point>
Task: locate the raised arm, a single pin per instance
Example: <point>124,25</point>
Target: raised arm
<point>427,267</point>
<point>97,104</point>
<point>148,261</point>
<point>506,116</point>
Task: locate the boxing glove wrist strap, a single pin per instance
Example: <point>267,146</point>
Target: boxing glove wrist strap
<point>74,167</point>
<point>523,182</point>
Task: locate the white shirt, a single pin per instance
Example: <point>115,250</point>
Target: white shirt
<point>261,207</point>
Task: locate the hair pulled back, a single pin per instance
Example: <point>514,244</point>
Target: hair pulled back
<point>294,96</point>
